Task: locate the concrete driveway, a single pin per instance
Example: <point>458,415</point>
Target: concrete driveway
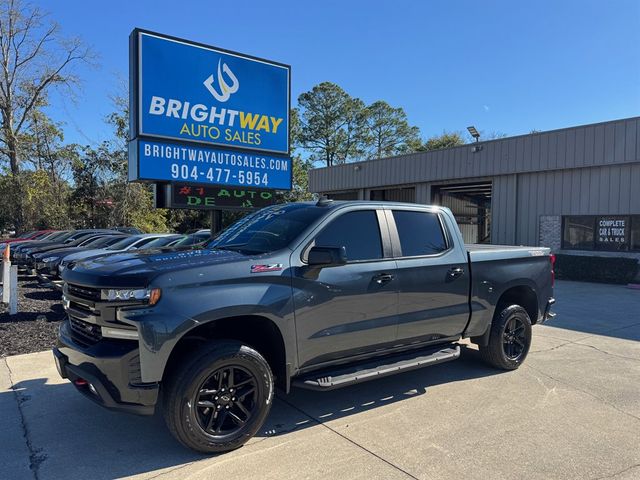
<point>571,412</point>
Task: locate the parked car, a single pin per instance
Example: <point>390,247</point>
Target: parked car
<point>194,239</point>
<point>133,242</point>
<point>24,253</point>
<point>167,241</point>
<point>29,236</point>
<point>46,263</point>
<point>313,295</point>
<point>127,230</point>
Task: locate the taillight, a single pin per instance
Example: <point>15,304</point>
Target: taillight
<point>552,258</point>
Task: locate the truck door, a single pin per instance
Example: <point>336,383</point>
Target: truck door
<point>432,273</point>
<point>350,309</point>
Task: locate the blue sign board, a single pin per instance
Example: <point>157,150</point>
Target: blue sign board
<point>231,110</point>
<point>184,163</point>
<point>203,94</point>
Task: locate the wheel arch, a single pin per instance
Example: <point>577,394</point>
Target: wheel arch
<point>521,294</point>
<point>257,331</point>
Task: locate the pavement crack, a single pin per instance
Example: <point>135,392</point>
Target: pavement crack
<point>353,442</point>
<point>171,470</point>
<point>573,387</point>
<point>614,475</point>
<point>36,457</point>
<point>577,343</point>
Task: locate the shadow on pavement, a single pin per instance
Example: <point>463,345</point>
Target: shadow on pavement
<point>74,438</point>
<point>597,309</point>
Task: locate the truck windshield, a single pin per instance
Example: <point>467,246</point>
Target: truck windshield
<point>269,229</point>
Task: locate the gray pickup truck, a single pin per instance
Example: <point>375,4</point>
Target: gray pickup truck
<point>314,295</point>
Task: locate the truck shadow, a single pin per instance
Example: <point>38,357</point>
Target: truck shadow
<point>71,438</point>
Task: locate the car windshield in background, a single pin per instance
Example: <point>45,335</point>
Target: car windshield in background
<point>192,239</point>
<point>161,242</point>
<point>55,236</point>
<point>124,243</point>
<point>102,241</point>
<point>269,229</point>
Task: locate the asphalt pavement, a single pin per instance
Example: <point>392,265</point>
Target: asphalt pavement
<point>571,412</point>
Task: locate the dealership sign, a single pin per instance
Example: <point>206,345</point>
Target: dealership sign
<point>611,233</point>
<point>205,115</point>
<point>209,197</point>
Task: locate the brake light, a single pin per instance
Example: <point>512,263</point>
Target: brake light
<point>552,258</point>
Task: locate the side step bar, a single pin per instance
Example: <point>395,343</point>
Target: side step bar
<point>376,368</point>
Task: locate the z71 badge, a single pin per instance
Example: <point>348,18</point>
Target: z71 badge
<point>273,267</point>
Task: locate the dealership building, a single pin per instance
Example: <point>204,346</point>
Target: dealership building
<point>576,190</point>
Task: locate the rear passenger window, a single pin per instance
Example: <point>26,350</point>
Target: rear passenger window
<point>358,232</point>
<point>420,233</point>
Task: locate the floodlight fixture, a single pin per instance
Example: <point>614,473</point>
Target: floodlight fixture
<point>473,132</point>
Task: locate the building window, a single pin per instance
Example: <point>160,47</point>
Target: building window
<point>407,195</point>
<point>578,233</point>
<point>635,233</point>
<point>350,195</point>
<point>609,233</point>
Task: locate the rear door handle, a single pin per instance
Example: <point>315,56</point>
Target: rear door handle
<point>382,278</point>
<point>456,272</point>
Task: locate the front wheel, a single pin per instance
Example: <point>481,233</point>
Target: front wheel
<point>219,398</point>
<point>510,338</point>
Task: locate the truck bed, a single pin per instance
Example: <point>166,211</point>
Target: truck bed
<point>481,253</point>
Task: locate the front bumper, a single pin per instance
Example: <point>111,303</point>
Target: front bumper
<point>106,372</point>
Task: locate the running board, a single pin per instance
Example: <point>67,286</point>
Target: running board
<point>376,368</point>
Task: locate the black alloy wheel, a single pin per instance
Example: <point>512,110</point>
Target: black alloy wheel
<point>226,400</point>
<point>509,338</point>
<point>218,396</point>
<point>514,338</point>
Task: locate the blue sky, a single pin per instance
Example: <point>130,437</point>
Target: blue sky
<point>503,66</point>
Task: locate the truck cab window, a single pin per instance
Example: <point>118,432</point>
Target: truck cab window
<point>420,233</point>
<point>358,232</point>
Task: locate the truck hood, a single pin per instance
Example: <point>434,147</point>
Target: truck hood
<point>131,269</point>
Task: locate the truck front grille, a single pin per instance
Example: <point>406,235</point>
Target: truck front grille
<point>87,293</point>
<point>85,333</point>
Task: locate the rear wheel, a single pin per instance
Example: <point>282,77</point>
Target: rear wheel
<point>220,398</point>
<point>510,338</point>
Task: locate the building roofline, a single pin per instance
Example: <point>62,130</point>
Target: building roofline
<point>482,142</point>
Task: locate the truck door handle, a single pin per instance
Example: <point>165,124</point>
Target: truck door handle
<point>456,272</point>
<point>382,278</point>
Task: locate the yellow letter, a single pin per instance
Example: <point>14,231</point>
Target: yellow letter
<point>275,122</point>
<point>263,124</point>
<point>185,129</point>
<point>248,120</point>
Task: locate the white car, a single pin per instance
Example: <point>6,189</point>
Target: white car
<point>133,242</point>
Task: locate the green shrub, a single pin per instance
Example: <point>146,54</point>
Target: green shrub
<point>585,268</point>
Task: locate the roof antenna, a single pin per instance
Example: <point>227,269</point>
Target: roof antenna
<point>323,201</point>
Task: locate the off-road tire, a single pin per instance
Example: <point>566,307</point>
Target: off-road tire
<point>494,353</point>
<point>181,387</point>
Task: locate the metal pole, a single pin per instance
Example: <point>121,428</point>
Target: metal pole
<point>216,221</point>
<point>13,291</point>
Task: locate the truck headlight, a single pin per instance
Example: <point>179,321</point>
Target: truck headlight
<point>151,295</point>
<point>49,259</point>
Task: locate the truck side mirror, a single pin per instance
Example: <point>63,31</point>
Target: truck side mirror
<point>327,256</point>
